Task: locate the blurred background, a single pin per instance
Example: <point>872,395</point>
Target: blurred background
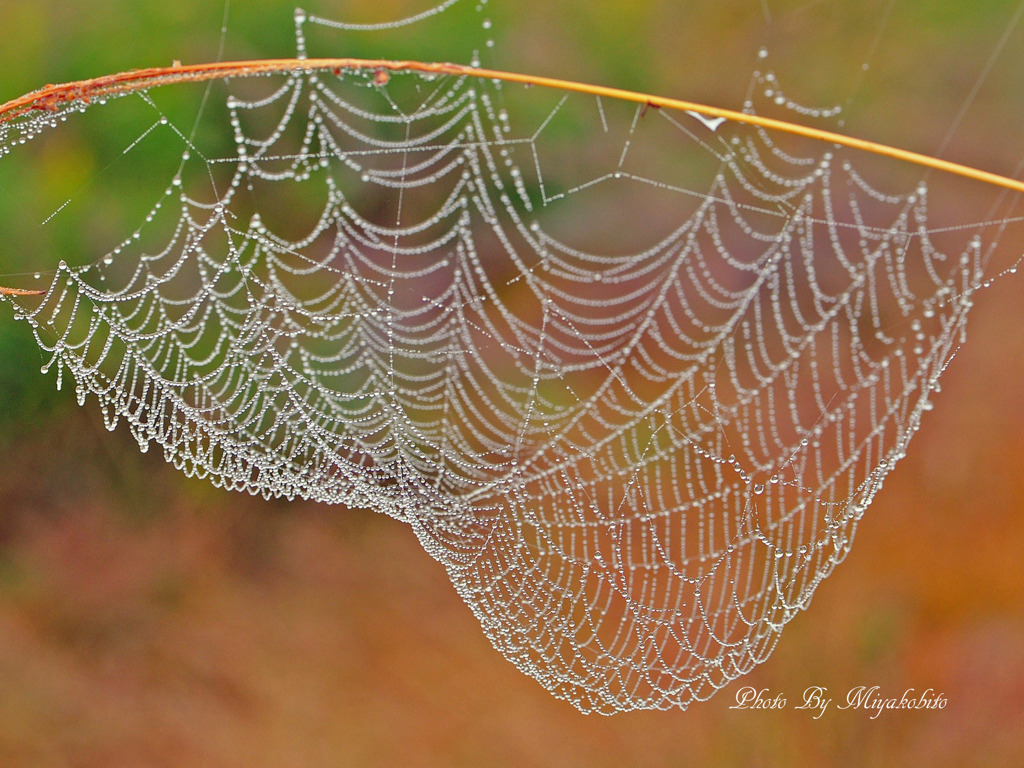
<point>150,620</point>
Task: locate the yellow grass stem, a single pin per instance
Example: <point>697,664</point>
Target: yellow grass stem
<point>51,97</point>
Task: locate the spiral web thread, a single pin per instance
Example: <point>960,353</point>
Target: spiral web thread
<point>636,467</point>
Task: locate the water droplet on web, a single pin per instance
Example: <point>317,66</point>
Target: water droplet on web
<point>711,123</point>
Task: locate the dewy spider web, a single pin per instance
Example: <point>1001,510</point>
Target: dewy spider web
<point>635,466</point>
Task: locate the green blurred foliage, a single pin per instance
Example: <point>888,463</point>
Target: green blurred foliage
<point>25,400</point>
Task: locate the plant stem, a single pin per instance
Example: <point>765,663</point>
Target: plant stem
<point>51,97</point>
<point>19,292</point>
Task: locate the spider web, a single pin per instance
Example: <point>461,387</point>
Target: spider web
<point>636,463</point>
